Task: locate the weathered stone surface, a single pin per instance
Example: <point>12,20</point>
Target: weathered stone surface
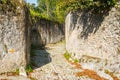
<point>14,78</point>
<point>95,35</point>
<point>14,38</point>
<point>22,72</point>
<point>45,32</point>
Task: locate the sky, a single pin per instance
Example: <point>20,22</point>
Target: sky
<point>32,1</point>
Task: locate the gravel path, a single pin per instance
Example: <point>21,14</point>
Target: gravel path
<point>13,78</point>
<point>50,64</point>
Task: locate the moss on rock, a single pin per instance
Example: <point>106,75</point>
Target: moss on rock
<point>10,6</point>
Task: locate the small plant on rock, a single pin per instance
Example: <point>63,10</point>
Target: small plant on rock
<point>17,71</point>
<point>67,55</point>
<point>76,60</point>
<point>29,68</point>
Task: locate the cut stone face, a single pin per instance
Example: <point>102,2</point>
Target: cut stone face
<point>94,35</point>
<point>14,40</point>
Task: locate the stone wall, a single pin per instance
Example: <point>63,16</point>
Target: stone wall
<point>14,37</point>
<point>45,32</point>
<point>94,35</point>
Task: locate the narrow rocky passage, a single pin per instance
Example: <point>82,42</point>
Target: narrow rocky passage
<point>50,64</point>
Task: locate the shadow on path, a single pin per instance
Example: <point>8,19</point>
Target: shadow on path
<point>39,58</point>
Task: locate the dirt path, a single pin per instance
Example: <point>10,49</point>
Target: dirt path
<point>50,64</point>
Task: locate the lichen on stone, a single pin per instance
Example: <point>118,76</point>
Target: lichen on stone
<point>10,6</point>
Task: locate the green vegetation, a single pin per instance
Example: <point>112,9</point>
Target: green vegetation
<point>4,1</point>
<point>69,58</point>
<point>17,71</point>
<point>10,6</point>
<point>76,60</point>
<point>97,5</point>
<point>67,55</point>
<point>56,10</point>
<point>29,68</point>
<point>46,9</point>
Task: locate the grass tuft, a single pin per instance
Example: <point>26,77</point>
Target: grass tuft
<point>67,55</point>
<point>29,68</point>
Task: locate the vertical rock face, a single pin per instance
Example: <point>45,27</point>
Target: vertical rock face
<point>96,35</point>
<point>45,32</point>
<point>14,36</point>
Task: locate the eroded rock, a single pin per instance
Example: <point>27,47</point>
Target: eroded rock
<point>94,35</point>
<point>14,37</point>
<point>45,32</point>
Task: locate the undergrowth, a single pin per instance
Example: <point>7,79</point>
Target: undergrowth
<point>10,6</point>
<point>69,58</point>
<point>67,55</point>
<point>29,68</point>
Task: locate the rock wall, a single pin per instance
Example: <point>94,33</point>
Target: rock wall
<point>45,32</point>
<point>14,35</point>
<point>94,35</point>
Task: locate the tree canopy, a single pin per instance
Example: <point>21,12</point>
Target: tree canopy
<point>57,9</point>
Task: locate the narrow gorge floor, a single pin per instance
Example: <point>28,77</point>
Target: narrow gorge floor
<point>50,64</point>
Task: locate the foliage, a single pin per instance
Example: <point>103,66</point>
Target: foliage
<point>56,10</point>
<point>96,5</point>
<point>17,71</point>
<point>10,6</point>
<point>29,68</point>
<point>67,55</point>
<point>4,1</point>
<point>76,60</point>
<point>46,9</point>
<point>60,12</point>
